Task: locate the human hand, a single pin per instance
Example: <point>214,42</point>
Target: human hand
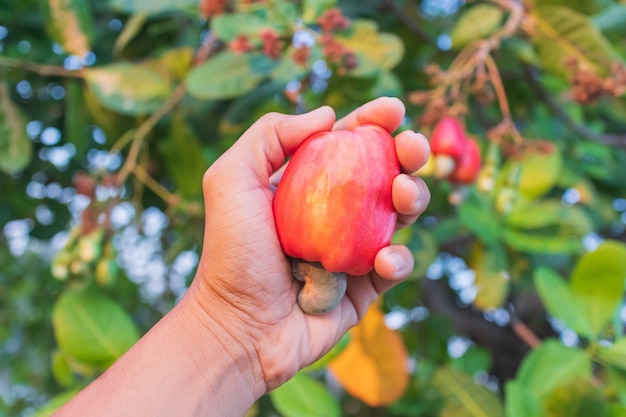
<point>244,291</point>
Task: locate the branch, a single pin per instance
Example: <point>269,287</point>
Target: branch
<point>403,16</point>
<point>613,139</point>
<point>41,69</point>
<point>145,128</point>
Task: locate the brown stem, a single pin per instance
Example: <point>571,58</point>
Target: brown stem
<point>167,196</point>
<point>404,17</point>
<point>144,129</point>
<point>525,333</point>
<point>614,139</point>
<point>41,69</point>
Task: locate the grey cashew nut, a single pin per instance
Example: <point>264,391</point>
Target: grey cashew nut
<point>322,290</point>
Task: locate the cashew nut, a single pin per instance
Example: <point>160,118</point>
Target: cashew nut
<point>322,290</point>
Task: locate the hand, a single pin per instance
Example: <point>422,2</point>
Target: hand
<point>238,332</point>
<point>244,285</point>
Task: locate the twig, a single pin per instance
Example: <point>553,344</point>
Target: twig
<point>402,15</point>
<point>156,187</point>
<point>145,128</point>
<point>522,330</point>
<point>41,69</point>
<point>614,139</point>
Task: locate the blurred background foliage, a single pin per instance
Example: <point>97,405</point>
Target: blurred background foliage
<point>110,111</point>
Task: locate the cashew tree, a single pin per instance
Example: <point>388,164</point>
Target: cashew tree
<point>111,111</point>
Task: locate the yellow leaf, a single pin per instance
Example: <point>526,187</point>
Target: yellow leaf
<point>492,277</point>
<point>374,366</point>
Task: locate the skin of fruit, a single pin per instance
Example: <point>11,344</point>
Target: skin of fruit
<point>448,138</point>
<point>333,204</point>
<point>468,165</point>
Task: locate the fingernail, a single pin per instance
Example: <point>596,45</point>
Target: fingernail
<point>398,261</point>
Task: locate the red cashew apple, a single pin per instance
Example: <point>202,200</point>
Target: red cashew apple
<point>468,165</point>
<point>448,138</point>
<point>333,210</point>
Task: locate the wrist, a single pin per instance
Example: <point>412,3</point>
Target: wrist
<point>222,352</point>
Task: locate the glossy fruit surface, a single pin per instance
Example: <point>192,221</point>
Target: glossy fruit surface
<point>468,165</point>
<point>448,138</point>
<point>333,204</point>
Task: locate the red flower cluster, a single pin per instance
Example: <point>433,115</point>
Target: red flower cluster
<point>336,53</point>
<point>333,19</point>
<point>241,44</point>
<point>211,8</point>
<point>271,43</point>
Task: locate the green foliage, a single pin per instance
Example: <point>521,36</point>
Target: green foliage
<point>91,328</point>
<point>476,23</point>
<point>462,397</point>
<point>305,396</point>
<point>110,112</point>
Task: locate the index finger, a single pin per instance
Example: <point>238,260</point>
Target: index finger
<point>387,112</point>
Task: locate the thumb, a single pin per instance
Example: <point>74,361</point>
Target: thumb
<point>276,136</point>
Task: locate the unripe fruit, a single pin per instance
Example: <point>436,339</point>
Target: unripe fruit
<point>61,265</point>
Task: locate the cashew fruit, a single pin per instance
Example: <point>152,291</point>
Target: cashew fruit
<point>448,138</point>
<point>333,205</point>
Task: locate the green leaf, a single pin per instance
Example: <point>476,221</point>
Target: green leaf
<point>61,370</point>
<point>561,33</point>
<point>476,214</point>
<point>132,27</point>
<point>152,6</point>
<point>463,398</point>
<point>475,359</point>
<point>328,357</point>
<point>228,26</point>
<point>375,51</point>
<point>313,9</point>
<point>175,62</point>
<point>550,365</point>
<point>284,15</point>
<point>490,266</point>
<point>92,328</point>
<point>541,243</point>
<point>422,244</point>
<point>55,403</point>
<point>521,401</point>
<point>614,355</point>
<point>598,281</point>
<point>387,84</point>
<point>611,18</point>
<point>76,117</point>
<point>616,377</point>
<point>129,89</point>
<point>16,149</point>
<point>588,7</point>
<point>535,173</point>
<point>70,24</point>
<point>476,22</point>
<point>560,301</point>
<point>182,153</point>
<point>303,396</point>
<point>287,69</point>
<point>540,214</point>
<point>228,75</point>
<point>615,410</point>
<point>578,397</point>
